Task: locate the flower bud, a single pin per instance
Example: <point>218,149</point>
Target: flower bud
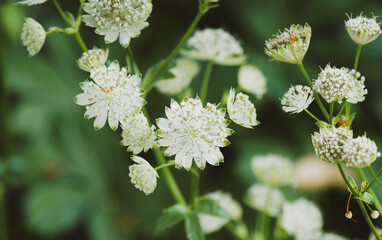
<point>374,214</point>
<point>364,185</point>
<point>33,36</point>
<point>349,214</point>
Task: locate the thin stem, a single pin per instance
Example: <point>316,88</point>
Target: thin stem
<point>233,228</point>
<point>169,164</point>
<point>194,186</point>
<point>367,218</point>
<point>357,57</point>
<point>312,115</point>
<point>370,190</point>
<point>80,41</point>
<point>347,181</point>
<point>133,67</point>
<point>331,110</point>
<point>339,113</point>
<point>206,81</point>
<point>264,223</point>
<point>372,182</point>
<point>375,175</point>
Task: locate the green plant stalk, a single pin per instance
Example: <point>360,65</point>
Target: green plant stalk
<point>375,178</point>
<point>312,115</point>
<point>331,110</point>
<point>375,175</point>
<point>357,194</point>
<point>206,81</point>
<point>357,57</point>
<point>168,164</point>
<point>232,228</point>
<point>133,66</point>
<point>370,190</point>
<point>194,186</point>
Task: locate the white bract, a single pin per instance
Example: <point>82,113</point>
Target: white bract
<point>215,45</point>
<point>252,80</point>
<point>31,2</point>
<point>302,219</point>
<point>360,152</point>
<point>273,170</point>
<point>363,30</point>
<point>123,18</point>
<point>297,99</point>
<point>33,36</point>
<point>357,90</point>
<point>184,71</point>
<point>113,95</point>
<point>143,175</point>
<point>241,110</point>
<point>291,45</point>
<point>137,134</point>
<point>94,58</point>
<point>193,132</point>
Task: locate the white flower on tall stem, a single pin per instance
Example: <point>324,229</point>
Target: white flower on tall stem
<point>363,30</point>
<point>113,95</point>
<point>297,99</point>
<point>360,152</point>
<point>94,58</point>
<point>241,110</point>
<point>31,2</point>
<point>123,18</point>
<point>252,80</point>
<point>143,175</point>
<point>192,131</point>
<point>33,36</point>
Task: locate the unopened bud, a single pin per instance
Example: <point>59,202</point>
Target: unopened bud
<point>364,185</point>
<point>349,215</point>
<point>374,214</point>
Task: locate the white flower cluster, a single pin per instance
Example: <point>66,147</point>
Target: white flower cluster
<point>334,84</point>
<point>93,58</point>
<point>360,152</point>
<point>193,132</point>
<point>332,236</point>
<point>273,170</point>
<point>33,36</point>
<point>241,110</point>
<point>291,45</point>
<point>252,80</point>
<point>215,45</point>
<point>297,99</point>
<point>363,30</point>
<point>123,18</point>
<point>143,175</point>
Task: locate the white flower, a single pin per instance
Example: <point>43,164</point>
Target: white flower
<point>210,223</point>
<point>362,29</point>
<point>297,99</point>
<point>94,58</point>
<point>241,110</point>
<point>265,199</point>
<point>143,175</point>
<point>252,80</point>
<point>302,219</point>
<point>123,18</point>
<point>331,236</point>
<point>291,45</point>
<point>193,132</point>
<point>31,2</point>
<point>360,152</point>
<point>357,90</point>
<point>215,45</point>
<point>273,170</point>
<point>184,71</point>
<point>112,95</point>
<point>329,142</point>
<point>33,36</point>
<point>137,134</point>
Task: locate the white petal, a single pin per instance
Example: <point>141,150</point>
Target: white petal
<point>101,118</point>
<point>84,99</point>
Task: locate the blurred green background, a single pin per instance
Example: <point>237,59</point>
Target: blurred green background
<point>63,180</point>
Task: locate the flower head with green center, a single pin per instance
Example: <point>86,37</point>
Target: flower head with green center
<point>215,45</point>
<point>31,2</point>
<point>297,99</point>
<point>329,142</point>
<point>192,131</point>
<point>291,45</point>
<point>143,175</point>
<point>241,110</point>
<point>252,80</point>
<point>94,58</point>
<point>113,95</point>
<point>363,30</point>
<point>117,18</point>
<point>33,36</point>
<point>360,152</point>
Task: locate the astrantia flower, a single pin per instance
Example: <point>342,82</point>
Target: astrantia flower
<point>291,45</point>
<point>94,58</point>
<point>33,36</point>
<point>31,2</point>
<point>210,223</point>
<point>360,152</point>
<point>143,175</point>
<point>297,99</point>
<point>123,18</point>
<point>357,90</point>
<point>362,29</point>
<point>112,95</point>
<point>302,219</point>
<point>265,199</point>
<point>215,45</point>
<point>252,80</point>
<point>137,134</point>
<point>241,110</point>
<point>329,142</point>
<point>184,71</point>
<point>273,170</point>
<point>193,132</point>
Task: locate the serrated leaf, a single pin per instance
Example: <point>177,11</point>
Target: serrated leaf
<point>170,217</point>
<point>193,229</point>
<point>366,197</point>
<point>211,207</point>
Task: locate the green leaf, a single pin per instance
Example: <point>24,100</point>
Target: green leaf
<point>102,226</point>
<point>366,197</point>
<point>193,229</point>
<point>211,207</point>
<point>353,184</point>
<point>170,217</point>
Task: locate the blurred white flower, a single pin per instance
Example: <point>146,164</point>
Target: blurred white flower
<point>297,99</point>
<point>33,36</point>
<point>241,110</point>
<point>291,45</point>
<point>193,132</point>
<point>363,30</point>
<point>143,175</point>
<point>252,80</point>
<point>112,95</point>
<point>360,152</point>
<point>184,71</point>
<point>94,58</point>
<point>123,18</point>
<point>215,45</point>
<point>332,236</point>
<point>31,2</point>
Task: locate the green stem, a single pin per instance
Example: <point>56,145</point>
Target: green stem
<point>311,114</point>
<point>206,81</point>
<point>339,114</point>
<point>168,164</point>
<point>80,41</point>
<point>372,182</point>
<point>375,175</point>
<point>347,181</point>
<point>235,229</point>
<point>370,190</point>
<point>264,223</point>
<point>194,186</point>
<point>331,110</point>
<point>367,218</point>
<point>149,81</point>
<point>357,57</point>
<point>133,67</point>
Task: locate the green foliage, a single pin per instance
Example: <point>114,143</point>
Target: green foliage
<point>211,207</point>
<point>193,229</point>
<point>170,217</point>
